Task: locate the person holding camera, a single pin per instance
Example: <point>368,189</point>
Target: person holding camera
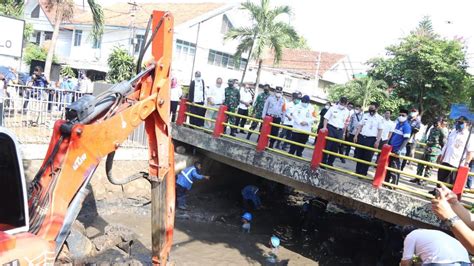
<point>37,80</point>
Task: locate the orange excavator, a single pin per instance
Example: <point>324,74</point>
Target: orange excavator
<point>35,224</point>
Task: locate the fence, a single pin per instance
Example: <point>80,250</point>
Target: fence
<point>30,112</point>
<point>217,123</point>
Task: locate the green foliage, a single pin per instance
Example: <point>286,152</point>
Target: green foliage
<point>66,71</point>
<point>427,71</point>
<point>34,52</point>
<point>300,43</point>
<point>98,18</point>
<point>12,8</point>
<point>121,65</point>
<point>366,90</point>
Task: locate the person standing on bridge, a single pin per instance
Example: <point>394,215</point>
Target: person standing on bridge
<point>369,134</point>
<point>215,98</point>
<point>232,100</point>
<point>274,107</point>
<point>398,141</point>
<point>175,96</point>
<point>197,91</point>
<point>302,120</point>
<point>245,103</point>
<point>288,120</point>
<point>415,123</point>
<point>335,121</point>
<point>352,127</point>
<point>185,180</point>
<point>258,107</point>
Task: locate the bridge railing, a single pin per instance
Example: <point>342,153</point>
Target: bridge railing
<point>381,167</point>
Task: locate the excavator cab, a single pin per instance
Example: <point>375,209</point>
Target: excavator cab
<point>13,197</point>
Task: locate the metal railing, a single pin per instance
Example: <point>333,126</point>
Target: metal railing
<point>30,112</point>
<point>380,167</point>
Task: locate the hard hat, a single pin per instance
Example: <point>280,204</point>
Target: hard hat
<point>275,241</point>
<point>247,216</point>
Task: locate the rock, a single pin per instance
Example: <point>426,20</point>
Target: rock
<point>180,150</point>
<point>79,245</point>
<point>92,232</point>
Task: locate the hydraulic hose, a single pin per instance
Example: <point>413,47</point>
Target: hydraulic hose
<point>108,170</point>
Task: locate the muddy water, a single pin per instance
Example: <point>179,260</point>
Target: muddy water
<point>208,233</point>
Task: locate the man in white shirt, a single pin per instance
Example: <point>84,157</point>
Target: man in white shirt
<point>288,120</point>
<point>433,247</point>
<point>335,121</point>
<point>456,152</point>
<point>246,100</point>
<point>197,96</point>
<point>214,98</point>
<point>369,133</point>
<point>303,120</point>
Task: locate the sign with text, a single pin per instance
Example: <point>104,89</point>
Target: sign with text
<point>11,38</point>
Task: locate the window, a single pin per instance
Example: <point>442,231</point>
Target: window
<point>97,44</point>
<point>48,35</point>
<point>226,25</point>
<point>185,51</point>
<point>225,60</point>
<point>35,13</point>
<point>77,37</point>
<point>139,38</point>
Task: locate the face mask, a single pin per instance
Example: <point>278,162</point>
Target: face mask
<point>413,114</point>
<point>371,111</point>
<point>327,106</point>
<point>357,111</point>
<point>402,119</point>
<point>297,101</point>
<point>265,91</point>
<point>459,126</point>
<point>341,107</point>
<point>278,94</point>
<point>305,105</point>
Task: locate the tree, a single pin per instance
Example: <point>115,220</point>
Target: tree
<point>366,90</point>
<point>65,11</point>
<point>35,52</point>
<point>14,8</point>
<point>121,65</point>
<point>266,34</point>
<point>300,43</point>
<point>426,70</point>
<point>66,71</point>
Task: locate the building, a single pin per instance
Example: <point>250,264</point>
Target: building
<point>199,36</point>
<point>310,72</point>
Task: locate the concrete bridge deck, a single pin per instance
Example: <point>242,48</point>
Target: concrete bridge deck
<point>395,206</point>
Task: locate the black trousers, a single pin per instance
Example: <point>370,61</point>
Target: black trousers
<point>274,130</point>
<point>197,111</point>
<point>410,148</point>
<point>391,176</point>
<point>300,138</point>
<point>241,121</point>
<point>363,154</point>
<point>336,133</point>
<point>174,107</point>
<point>284,133</point>
<point>253,126</point>
<point>445,175</point>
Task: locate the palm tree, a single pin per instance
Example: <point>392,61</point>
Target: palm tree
<point>367,88</point>
<point>267,33</point>
<point>65,11</point>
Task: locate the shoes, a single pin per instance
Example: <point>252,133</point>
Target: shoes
<point>232,132</point>
<point>414,180</point>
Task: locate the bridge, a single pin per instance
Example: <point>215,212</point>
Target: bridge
<point>405,203</point>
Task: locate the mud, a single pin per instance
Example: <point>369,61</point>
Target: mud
<point>208,233</point>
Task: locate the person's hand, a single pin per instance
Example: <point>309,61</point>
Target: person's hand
<point>304,123</point>
<point>376,144</point>
<point>441,207</point>
<point>439,160</point>
<point>448,194</point>
<point>355,139</point>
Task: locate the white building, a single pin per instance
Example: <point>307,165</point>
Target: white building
<point>125,26</point>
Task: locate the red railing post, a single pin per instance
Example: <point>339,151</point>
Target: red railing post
<point>220,120</point>
<point>382,164</point>
<point>460,182</point>
<point>264,132</point>
<point>183,107</point>
<point>318,149</point>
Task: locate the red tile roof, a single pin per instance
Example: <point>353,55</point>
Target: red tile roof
<point>50,10</point>
<point>119,14</point>
<point>303,61</point>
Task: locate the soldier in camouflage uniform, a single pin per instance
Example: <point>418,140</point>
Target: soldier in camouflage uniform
<point>258,107</point>
<point>434,144</point>
<point>232,101</point>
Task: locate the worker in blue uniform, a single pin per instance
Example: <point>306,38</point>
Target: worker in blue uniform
<point>185,180</point>
<point>250,197</point>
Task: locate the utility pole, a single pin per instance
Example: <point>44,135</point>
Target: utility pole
<point>132,11</point>
<point>318,65</point>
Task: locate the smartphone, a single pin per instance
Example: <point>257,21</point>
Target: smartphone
<point>437,193</point>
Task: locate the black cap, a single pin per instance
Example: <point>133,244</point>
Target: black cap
<point>278,89</point>
<point>305,99</point>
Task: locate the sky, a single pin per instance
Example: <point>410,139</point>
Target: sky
<point>363,28</point>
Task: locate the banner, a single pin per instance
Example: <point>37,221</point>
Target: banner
<point>11,39</point>
<point>458,110</point>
